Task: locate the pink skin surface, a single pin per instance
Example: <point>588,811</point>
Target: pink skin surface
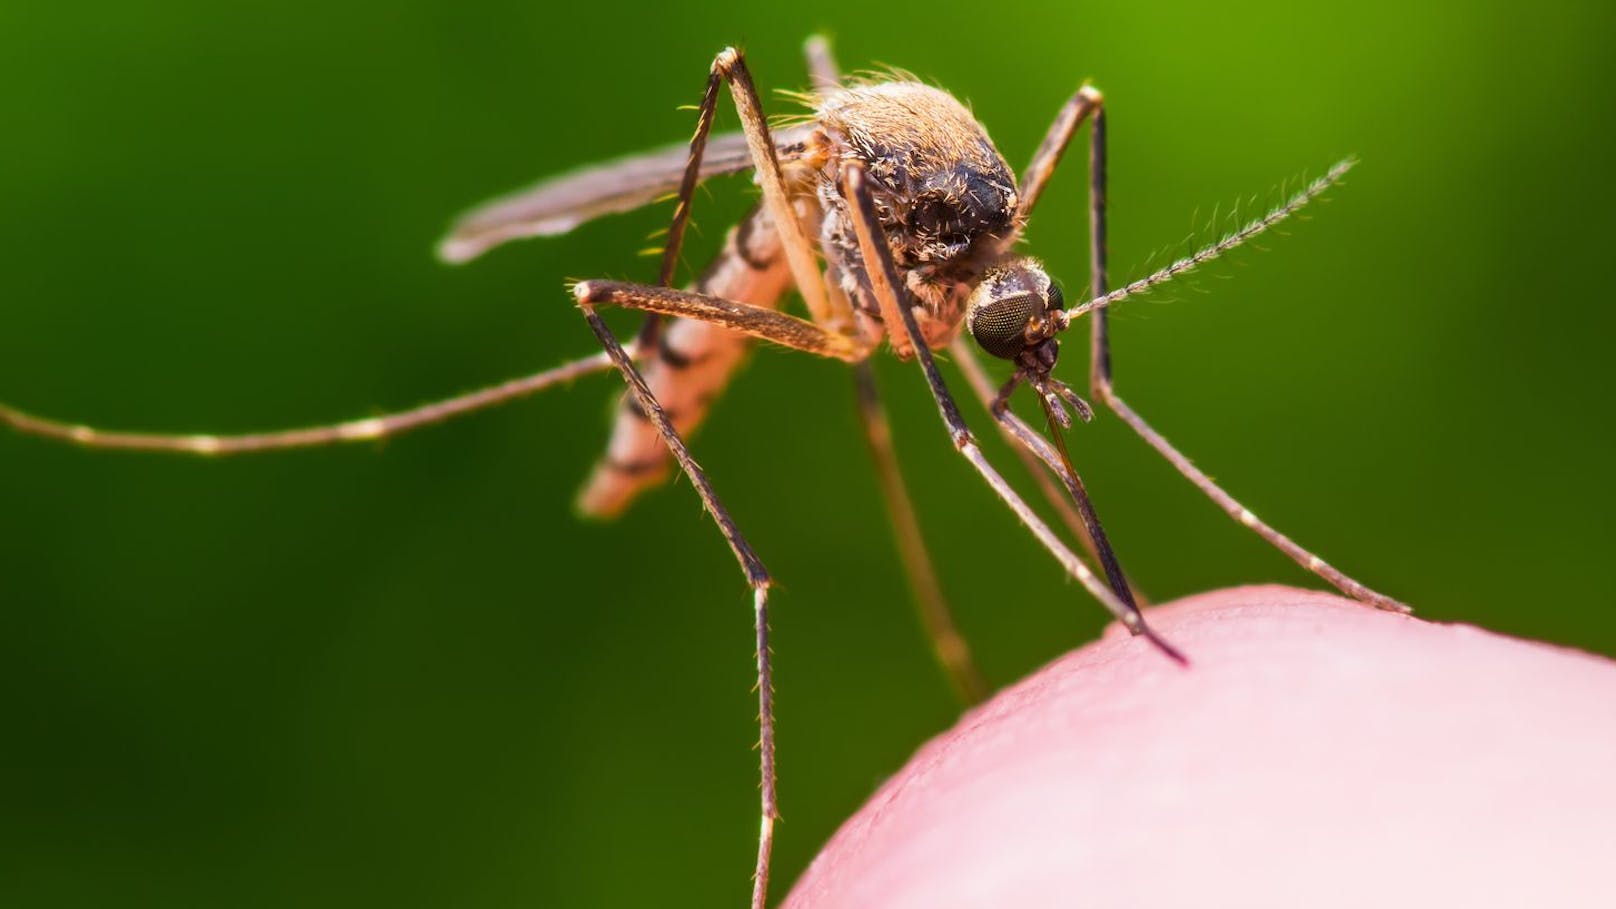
<point>1316,752</point>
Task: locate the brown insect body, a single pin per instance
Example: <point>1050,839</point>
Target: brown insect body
<point>945,196</point>
<point>948,203</point>
<point>916,216</point>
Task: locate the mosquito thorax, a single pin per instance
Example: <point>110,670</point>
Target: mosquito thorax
<point>1013,313</point>
<point>942,190</point>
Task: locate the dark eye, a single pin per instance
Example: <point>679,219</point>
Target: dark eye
<point>1057,300</point>
<point>1000,326</point>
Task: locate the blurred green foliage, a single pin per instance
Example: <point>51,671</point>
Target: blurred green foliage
<point>405,675</point>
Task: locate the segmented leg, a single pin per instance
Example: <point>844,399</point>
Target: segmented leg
<point>681,209</point>
<point>949,646</point>
<point>351,431</point>
<point>663,300</point>
<point>731,66</point>
<point>801,335</point>
<point>977,377</point>
<point>884,282</point>
<point>1035,178</point>
<point>1100,376</point>
<point>947,643</point>
<point>789,331</point>
<point>757,577</point>
<point>1029,439</point>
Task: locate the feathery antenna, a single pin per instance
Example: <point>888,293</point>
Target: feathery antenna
<point>1201,257</point>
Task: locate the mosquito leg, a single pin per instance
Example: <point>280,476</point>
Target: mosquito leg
<point>822,68</point>
<point>681,209</point>
<point>728,65</point>
<point>1234,509</point>
<point>1026,438</point>
<point>634,459</point>
<point>1035,178</point>
<point>831,313</point>
<point>756,321</point>
<point>1100,379</point>
<point>952,652</point>
<point>949,646</point>
<point>884,282</point>
<point>351,431</point>
<point>757,577</point>
<point>1303,557</point>
<point>976,376</point>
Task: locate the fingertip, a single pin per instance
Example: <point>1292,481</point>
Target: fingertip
<point>1317,751</point>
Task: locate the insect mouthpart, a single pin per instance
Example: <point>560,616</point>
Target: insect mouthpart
<point>1012,314</point>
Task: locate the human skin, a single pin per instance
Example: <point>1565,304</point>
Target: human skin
<point>1315,752</point>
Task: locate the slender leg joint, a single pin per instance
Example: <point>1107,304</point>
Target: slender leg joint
<point>884,283</point>
<point>1100,375</point>
<point>788,331</point>
<point>834,314</point>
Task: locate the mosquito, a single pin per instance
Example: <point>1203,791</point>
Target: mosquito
<point>892,215</point>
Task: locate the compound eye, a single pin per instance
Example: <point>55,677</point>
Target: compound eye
<point>1000,326</point>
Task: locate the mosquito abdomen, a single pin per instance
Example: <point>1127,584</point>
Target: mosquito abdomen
<point>688,369</point>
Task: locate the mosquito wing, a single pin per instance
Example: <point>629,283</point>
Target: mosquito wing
<point>559,204</point>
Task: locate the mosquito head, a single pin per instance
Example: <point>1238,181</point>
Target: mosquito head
<point>1014,313</point>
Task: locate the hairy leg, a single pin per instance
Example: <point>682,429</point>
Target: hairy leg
<point>757,577</point>
<point>884,281</point>
<point>1100,367</point>
<point>377,427</point>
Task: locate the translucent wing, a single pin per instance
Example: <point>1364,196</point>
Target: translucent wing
<point>559,204</point>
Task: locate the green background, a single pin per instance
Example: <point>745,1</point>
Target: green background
<point>404,674</point>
